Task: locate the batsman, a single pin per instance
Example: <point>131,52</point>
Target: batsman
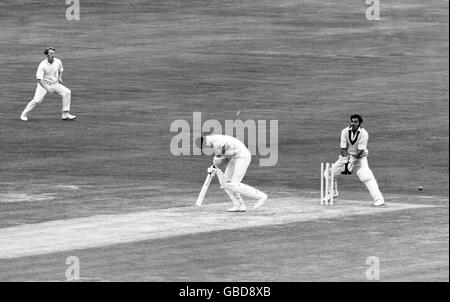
<point>353,158</point>
<point>227,149</point>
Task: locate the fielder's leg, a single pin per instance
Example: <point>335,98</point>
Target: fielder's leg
<point>37,99</point>
<point>66,94</point>
<point>366,176</point>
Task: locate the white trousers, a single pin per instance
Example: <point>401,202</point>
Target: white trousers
<point>365,175</point>
<point>339,165</point>
<point>40,93</point>
<point>236,169</point>
<point>234,173</point>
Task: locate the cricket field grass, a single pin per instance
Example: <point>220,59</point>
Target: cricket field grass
<point>108,190</point>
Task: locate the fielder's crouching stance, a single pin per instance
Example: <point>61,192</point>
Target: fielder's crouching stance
<point>228,148</point>
<point>353,157</point>
<point>49,81</point>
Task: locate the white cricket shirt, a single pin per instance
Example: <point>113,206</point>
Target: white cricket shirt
<point>227,146</point>
<point>354,142</point>
<point>49,72</point>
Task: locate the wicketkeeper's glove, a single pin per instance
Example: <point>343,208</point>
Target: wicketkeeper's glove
<point>349,166</point>
<point>347,171</point>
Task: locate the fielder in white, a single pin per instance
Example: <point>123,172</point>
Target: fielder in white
<point>49,80</point>
<point>353,157</point>
<point>229,149</point>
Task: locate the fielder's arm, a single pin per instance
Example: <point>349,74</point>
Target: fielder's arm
<point>60,75</point>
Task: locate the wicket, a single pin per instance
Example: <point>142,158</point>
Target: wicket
<point>326,196</point>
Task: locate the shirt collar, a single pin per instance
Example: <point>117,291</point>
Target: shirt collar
<point>350,128</point>
<point>357,130</point>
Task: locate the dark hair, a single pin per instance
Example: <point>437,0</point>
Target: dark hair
<point>48,48</point>
<point>360,119</point>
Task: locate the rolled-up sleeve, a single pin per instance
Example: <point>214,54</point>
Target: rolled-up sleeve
<point>344,139</point>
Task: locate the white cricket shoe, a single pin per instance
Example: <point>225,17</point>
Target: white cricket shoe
<point>240,208</point>
<point>68,117</point>
<point>24,118</point>
<point>379,203</point>
<point>327,200</point>
<point>260,201</point>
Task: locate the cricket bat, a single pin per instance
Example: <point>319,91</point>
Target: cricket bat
<point>202,194</point>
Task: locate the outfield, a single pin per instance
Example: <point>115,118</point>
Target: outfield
<point>135,67</point>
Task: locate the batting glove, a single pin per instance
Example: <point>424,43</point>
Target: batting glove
<point>212,170</point>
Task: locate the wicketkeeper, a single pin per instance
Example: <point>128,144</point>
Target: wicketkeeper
<point>229,149</point>
<point>353,158</point>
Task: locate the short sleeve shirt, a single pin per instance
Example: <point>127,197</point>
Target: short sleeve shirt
<point>49,72</point>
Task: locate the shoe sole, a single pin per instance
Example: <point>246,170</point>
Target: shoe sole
<point>236,211</point>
